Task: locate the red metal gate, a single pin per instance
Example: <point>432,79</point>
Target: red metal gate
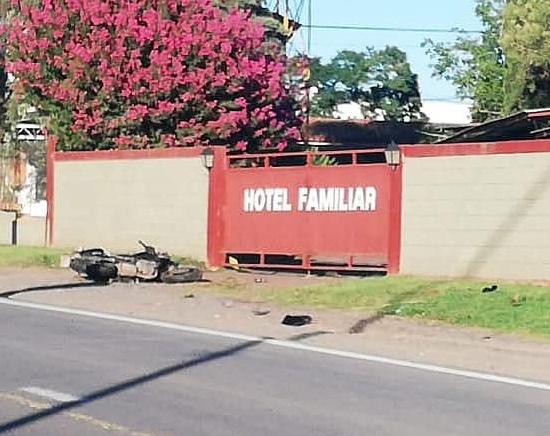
<point>303,210</point>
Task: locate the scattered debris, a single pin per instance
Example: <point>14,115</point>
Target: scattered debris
<point>487,289</point>
<point>361,325</point>
<point>233,263</point>
<point>261,312</point>
<point>389,310</point>
<point>517,300</point>
<point>332,274</point>
<point>227,303</point>
<point>296,320</point>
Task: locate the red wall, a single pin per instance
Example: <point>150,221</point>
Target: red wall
<point>286,226</point>
<point>368,236</point>
<point>371,233</point>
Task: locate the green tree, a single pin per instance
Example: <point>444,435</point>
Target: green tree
<point>475,65</point>
<point>381,81</point>
<point>183,73</point>
<point>526,42</point>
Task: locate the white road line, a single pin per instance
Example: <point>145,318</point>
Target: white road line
<point>49,394</point>
<point>287,344</point>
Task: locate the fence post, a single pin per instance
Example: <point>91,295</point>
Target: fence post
<point>51,142</point>
<point>216,204</point>
<point>14,229</point>
<point>394,240</point>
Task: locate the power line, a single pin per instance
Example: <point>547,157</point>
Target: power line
<point>309,25</point>
<point>362,45</point>
<point>390,29</point>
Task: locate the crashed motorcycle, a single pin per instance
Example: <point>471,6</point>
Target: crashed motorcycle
<point>100,266</point>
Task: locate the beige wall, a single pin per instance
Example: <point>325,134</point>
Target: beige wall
<point>31,231</point>
<point>6,219</point>
<point>113,203</point>
<point>479,216</point>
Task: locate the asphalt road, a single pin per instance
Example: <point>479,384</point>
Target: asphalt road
<point>132,379</point>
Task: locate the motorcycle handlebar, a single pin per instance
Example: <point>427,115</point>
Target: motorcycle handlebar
<point>148,248</point>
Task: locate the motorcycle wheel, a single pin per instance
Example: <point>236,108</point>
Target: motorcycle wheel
<point>181,275</point>
<point>102,272</point>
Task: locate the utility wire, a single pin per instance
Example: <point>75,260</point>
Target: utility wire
<point>390,29</point>
<point>309,25</point>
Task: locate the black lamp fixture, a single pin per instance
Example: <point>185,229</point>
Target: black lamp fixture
<point>207,156</point>
<point>393,154</point>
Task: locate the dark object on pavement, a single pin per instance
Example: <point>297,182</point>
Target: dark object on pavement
<point>296,320</point>
<point>492,288</point>
<point>261,312</point>
<point>100,266</point>
<point>189,296</point>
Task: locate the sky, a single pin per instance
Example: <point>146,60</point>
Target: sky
<point>427,14</point>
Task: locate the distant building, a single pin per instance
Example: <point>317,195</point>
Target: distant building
<point>447,112</point>
<point>438,112</point>
<point>348,111</point>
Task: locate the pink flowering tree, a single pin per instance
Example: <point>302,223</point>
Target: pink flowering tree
<point>150,73</point>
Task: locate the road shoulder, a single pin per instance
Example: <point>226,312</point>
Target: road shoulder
<point>197,305</point>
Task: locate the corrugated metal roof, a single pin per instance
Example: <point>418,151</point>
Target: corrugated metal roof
<point>527,124</point>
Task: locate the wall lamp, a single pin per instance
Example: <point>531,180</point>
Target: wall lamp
<point>393,155</point>
<point>207,157</point>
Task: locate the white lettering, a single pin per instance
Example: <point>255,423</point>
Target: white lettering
<point>311,199</point>
<point>248,200</point>
<point>342,205</point>
<point>358,202</point>
<point>259,200</point>
<point>370,198</point>
<point>278,198</point>
<point>302,198</point>
<point>326,199</point>
<point>269,199</point>
<point>287,207</point>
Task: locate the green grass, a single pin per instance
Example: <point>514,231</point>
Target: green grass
<point>186,260</point>
<point>514,307</point>
<point>18,256</point>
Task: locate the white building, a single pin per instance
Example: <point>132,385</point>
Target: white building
<point>447,112</point>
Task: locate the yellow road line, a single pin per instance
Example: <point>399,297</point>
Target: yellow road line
<point>80,417</point>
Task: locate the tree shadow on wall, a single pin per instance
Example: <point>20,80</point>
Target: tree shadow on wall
<point>509,223</point>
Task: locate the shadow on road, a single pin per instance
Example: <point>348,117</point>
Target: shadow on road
<point>74,285</point>
<point>388,309</point>
<point>304,336</point>
<point>123,386</point>
<point>8,294</point>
